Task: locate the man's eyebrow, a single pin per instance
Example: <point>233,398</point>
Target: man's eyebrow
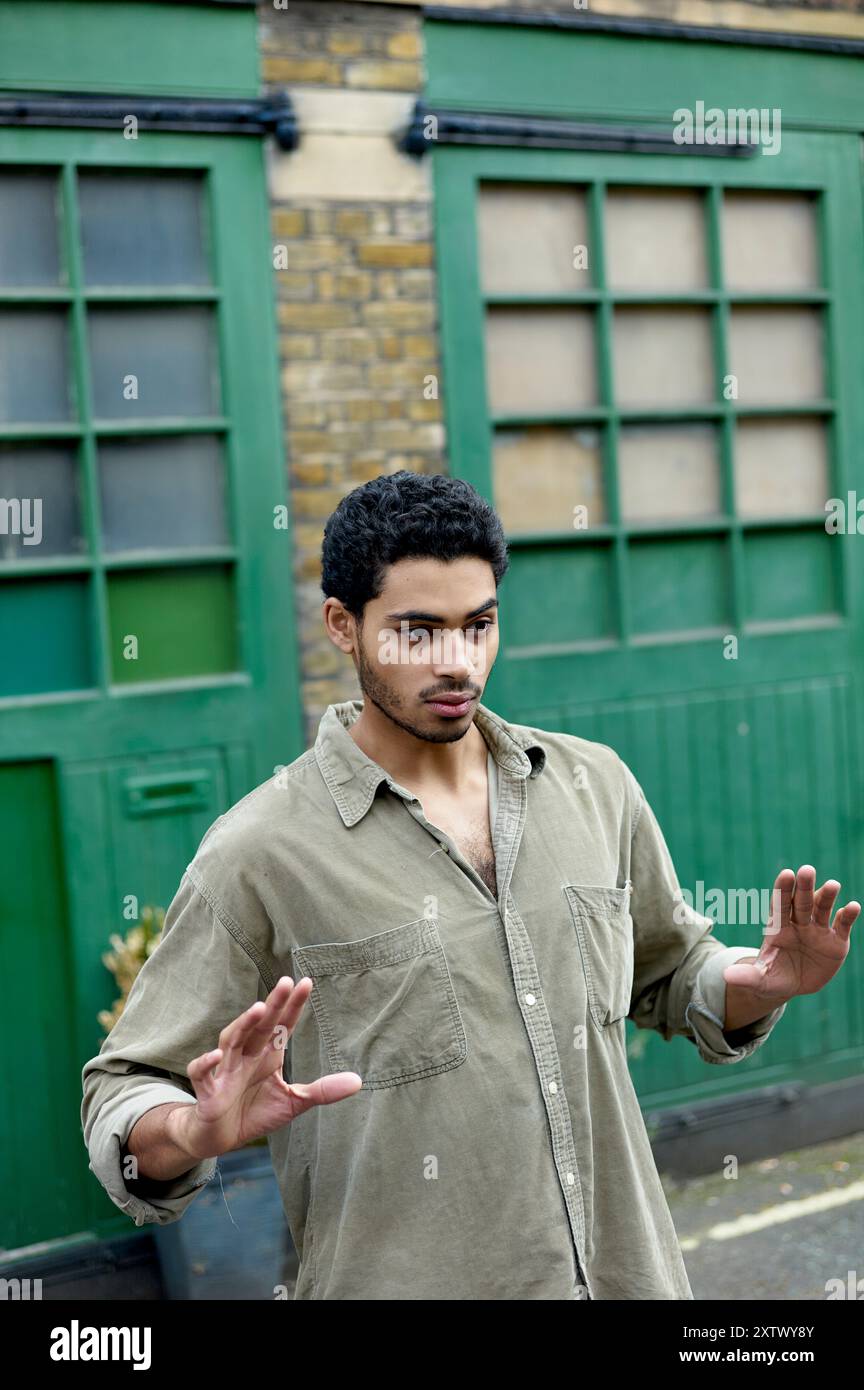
<point>415,615</point>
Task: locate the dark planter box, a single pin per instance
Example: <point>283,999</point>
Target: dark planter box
<point>206,1255</point>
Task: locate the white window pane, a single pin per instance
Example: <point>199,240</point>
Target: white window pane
<point>42,513</point>
<point>655,239</point>
<point>169,353</point>
<point>142,229</point>
<point>162,493</point>
<point>770,241</point>
<point>540,360</point>
<point>776,354</point>
<point>662,357</point>
<point>34,366</point>
<point>781,467</point>
<point>542,474</point>
<point>667,471</point>
<point>29,246</point>
<point>533,238</point>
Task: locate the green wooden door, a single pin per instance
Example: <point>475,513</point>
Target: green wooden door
<point>653,367</point>
<point>148,673</point>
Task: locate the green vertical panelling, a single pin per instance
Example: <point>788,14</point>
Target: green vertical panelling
<point>41,1167</point>
<point>106,46</point>
<point>182,621</point>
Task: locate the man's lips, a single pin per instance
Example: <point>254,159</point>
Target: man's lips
<point>452,705</point>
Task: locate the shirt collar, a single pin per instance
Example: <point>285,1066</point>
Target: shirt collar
<point>353,778</point>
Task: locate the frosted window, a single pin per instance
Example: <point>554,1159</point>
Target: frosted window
<point>542,474</point>
<point>162,493</point>
<point>530,237</point>
<point>29,245</point>
<point>655,239</point>
<point>540,360</point>
<point>770,241</point>
<point>781,467</point>
<point>667,471</point>
<point>776,354</point>
<point>42,512</point>
<point>662,357</point>
<point>171,353</point>
<point>34,366</point>
<point>142,229</point>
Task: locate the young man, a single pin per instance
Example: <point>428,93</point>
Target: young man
<point>432,905</point>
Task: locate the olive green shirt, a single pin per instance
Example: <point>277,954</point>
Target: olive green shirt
<point>497,1149</point>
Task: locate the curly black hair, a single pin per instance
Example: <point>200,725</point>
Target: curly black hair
<point>405,514</point>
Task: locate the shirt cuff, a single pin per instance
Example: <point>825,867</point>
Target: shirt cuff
<point>707,1010</point>
<point>113,1127</point>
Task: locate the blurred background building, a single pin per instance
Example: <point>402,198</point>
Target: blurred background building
<point>251,256</point>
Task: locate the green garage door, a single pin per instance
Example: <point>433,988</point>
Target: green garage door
<point>653,367</point>
<point>147,676</point>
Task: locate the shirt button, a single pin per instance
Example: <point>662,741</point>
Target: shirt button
<point>553,1087</point>
<point>529,999</point>
<point>571,1178</point>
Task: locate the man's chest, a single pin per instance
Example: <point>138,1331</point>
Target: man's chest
<point>466,822</point>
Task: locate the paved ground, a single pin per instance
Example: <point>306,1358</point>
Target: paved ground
<point>803,1235</point>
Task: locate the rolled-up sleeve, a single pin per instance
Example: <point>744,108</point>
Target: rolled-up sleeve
<point>199,978</point>
<point>678,985</point>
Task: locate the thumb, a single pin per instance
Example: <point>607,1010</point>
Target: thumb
<point>327,1089</point>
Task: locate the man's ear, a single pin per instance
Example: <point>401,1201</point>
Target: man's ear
<point>339,625</point>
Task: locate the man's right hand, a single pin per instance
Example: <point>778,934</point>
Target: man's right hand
<point>241,1093</point>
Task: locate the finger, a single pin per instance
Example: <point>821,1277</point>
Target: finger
<point>200,1071</point>
<point>234,1035</point>
<point>825,900</point>
<point>258,1036</point>
<point>802,895</point>
<point>288,1019</point>
<point>845,918</point>
<point>781,902</point>
<point>326,1090</point>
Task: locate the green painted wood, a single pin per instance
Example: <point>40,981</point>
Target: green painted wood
<point>213,706</point>
<point>102,46</point>
<point>42,1174</point>
<point>591,76</point>
<point>618,637</point>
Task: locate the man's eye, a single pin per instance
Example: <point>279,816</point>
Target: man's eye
<point>482,625</point>
<point>416,632</point>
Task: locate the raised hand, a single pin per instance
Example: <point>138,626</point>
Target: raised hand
<point>239,1086</point>
<point>802,949</point>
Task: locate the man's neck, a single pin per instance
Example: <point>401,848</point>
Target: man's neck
<point>415,762</point>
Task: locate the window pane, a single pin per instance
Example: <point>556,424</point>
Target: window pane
<point>541,475</point>
<point>44,634</point>
<point>668,471</point>
<point>529,237</point>
<point>540,360</point>
<point>42,513</point>
<point>182,619</point>
<point>678,584</point>
<point>29,246</point>
<point>162,493</point>
<point>655,239</point>
<point>170,352</point>
<point>34,366</point>
<point>781,467</point>
<point>769,241</point>
<point>789,574</point>
<point>143,229</point>
<point>776,354</point>
<point>662,357</point>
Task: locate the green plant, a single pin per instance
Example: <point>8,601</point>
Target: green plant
<point>130,953</point>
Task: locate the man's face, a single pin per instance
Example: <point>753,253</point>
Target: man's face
<point>427,644</point>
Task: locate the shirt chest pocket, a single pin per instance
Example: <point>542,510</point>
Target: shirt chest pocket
<point>385,1004</point>
<point>604,931</point>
